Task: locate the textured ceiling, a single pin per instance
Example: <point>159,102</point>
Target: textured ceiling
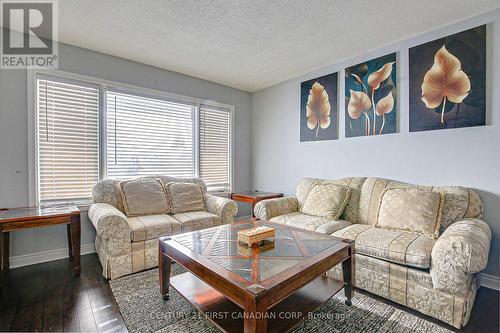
<point>251,44</point>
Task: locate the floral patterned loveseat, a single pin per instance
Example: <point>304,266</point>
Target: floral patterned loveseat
<point>435,276</point>
<point>127,244</point>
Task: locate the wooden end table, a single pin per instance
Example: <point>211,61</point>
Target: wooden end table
<point>14,219</point>
<point>271,288</point>
<point>252,197</point>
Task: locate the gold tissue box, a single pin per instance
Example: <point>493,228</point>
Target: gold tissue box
<point>264,246</point>
<point>255,235</point>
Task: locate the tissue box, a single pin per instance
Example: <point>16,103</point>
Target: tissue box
<point>255,235</point>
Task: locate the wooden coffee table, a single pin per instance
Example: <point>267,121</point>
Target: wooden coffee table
<point>239,288</point>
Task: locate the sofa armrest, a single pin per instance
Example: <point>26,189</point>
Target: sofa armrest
<point>267,209</point>
<point>224,207</point>
<point>111,225</point>
<point>458,253</point>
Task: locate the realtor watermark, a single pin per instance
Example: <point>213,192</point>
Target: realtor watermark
<point>29,34</point>
<point>241,315</point>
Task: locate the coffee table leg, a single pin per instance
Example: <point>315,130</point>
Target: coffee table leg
<point>255,320</point>
<point>164,263</point>
<point>347,270</point>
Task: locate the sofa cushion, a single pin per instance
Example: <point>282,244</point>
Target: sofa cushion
<point>399,247</point>
<point>143,196</point>
<point>326,200</point>
<point>459,203</point>
<point>350,212</point>
<point>411,210</point>
<point>319,224</point>
<point>153,226</point>
<point>197,220</point>
<point>185,197</point>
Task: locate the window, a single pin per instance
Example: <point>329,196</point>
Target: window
<point>90,129</point>
<point>215,140</point>
<point>67,140</point>
<point>149,137</point>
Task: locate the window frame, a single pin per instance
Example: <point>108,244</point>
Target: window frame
<point>104,86</point>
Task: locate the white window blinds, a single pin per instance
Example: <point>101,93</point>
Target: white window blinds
<point>147,136</point>
<point>67,116</point>
<point>215,133</point>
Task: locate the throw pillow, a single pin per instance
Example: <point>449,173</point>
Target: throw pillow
<point>411,210</point>
<point>326,200</point>
<point>143,196</point>
<point>185,197</point>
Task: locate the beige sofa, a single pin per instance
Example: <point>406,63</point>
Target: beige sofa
<point>433,276</point>
<point>127,245</point>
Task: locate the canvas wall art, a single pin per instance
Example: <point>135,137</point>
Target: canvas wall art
<point>448,82</point>
<point>319,109</point>
<point>370,97</point>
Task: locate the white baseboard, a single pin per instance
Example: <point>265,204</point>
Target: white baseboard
<point>489,281</point>
<point>39,257</point>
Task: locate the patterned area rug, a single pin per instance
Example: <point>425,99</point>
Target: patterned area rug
<point>144,310</point>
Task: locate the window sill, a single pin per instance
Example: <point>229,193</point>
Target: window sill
<point>83,205</point>
<point>220,194</point>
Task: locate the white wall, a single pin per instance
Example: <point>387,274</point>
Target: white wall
<point>468,156</point>
<point>14,131</point>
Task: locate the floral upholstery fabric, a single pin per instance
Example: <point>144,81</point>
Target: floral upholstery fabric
<point>129,245</point>
<point>460,202</point>
<point>410,287</point>
<point>141,255</point>
<point>223,207</point>
<point>461,250</point>
<point>105,192</point>
<point>153,226</point>
<point>267,209</point>
<point>197,220</point>
<point>350,212</point>
<point>111,225</point>
<point>435,277</point>
<point>326,200</point>
<point>316,223</point>
<point>399,247</point>
<point>410,210</point>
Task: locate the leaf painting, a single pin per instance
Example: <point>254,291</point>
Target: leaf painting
<point>318,109</point>
<point>370,92</point>
<point>384,106</point>
<point>447,79</point>
<point>359,103</point>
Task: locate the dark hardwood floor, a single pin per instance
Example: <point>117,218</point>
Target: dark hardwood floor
<point>45,297</point>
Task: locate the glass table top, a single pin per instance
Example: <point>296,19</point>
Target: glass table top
<point>256,193</point>
<point>288,248</point>
<point>35,212</point>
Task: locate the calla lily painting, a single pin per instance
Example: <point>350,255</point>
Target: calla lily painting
<point>370,96</point>
<point>318,109</point>
<point>447,82</point>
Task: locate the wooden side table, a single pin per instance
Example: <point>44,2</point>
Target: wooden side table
<point>13,219</point>
<point>252,197</point>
